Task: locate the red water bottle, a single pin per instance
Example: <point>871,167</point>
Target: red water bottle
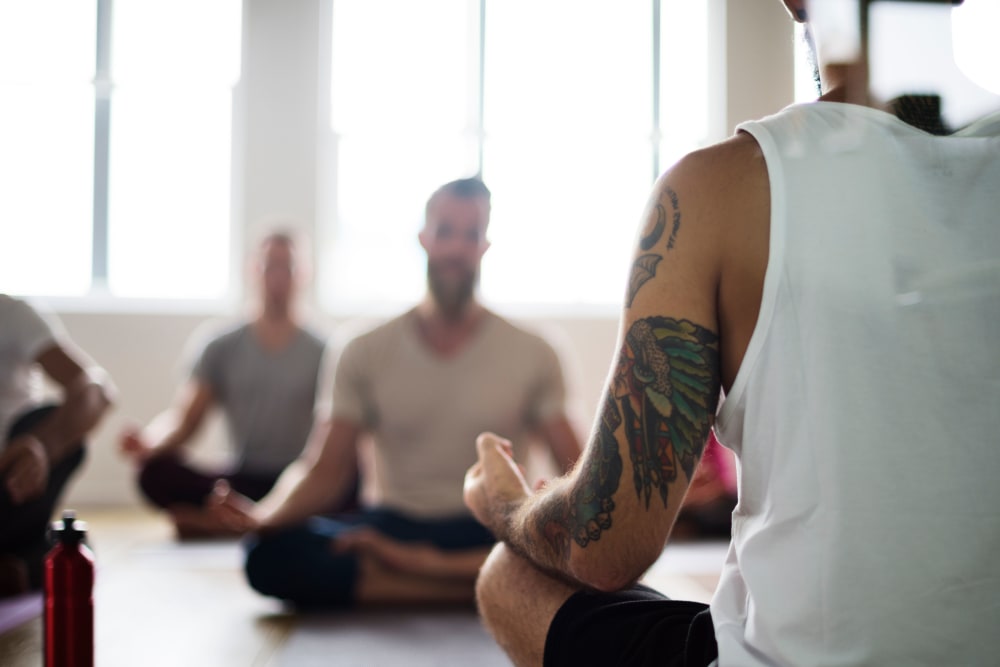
<point>69,596</point>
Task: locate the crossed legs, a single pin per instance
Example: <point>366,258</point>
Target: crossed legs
<point>517,603</point>
<point>301,564</point>
<point>538,620</point>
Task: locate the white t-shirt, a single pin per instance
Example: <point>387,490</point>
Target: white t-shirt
<point>425,412</point>
<point>24,334</point>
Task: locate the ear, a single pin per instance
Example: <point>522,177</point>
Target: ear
<point>797,10</point>
<point>424,237</point>
<point>485,246</point>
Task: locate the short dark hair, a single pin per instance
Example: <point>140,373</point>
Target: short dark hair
<point>463,188</point>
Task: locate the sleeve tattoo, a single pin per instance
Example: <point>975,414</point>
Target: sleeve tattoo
<point>663,394</point>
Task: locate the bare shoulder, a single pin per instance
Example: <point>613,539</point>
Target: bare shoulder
<point>721,192</point>
<point>725,173</point>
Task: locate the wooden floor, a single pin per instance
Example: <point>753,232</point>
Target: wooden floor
<point>158,602</point>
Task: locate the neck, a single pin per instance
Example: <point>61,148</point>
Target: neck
<point>446,333</point>
<point>846,83</point>
<point>275,315</point>
<point>431,312</point>
<point>274,329</point>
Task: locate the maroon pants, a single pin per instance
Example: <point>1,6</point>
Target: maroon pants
<point>167,481</point>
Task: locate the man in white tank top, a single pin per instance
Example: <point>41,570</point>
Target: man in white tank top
<point>836,271</point>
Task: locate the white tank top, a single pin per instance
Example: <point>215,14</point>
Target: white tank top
<point>866,413</point>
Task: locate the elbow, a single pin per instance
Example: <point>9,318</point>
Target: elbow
<point>101,391</point>
<point>106,397</point>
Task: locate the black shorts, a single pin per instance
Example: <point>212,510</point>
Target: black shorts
<point>637,626</point>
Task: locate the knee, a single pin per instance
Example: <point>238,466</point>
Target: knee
<point>265,562</point>
<point>297,566</point>
<point>493,585</point>
<point>156,477</point>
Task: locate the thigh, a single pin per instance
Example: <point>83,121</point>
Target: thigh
<point>252,485</point>
<point>25,524</point>
<point>637,626</point>
<point>30,419</point>
<point>167,480</point>
<point>459,534</point>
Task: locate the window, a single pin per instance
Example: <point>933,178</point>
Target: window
<point>568,109</point>
<point>47,134</point>
<point>119,173</point>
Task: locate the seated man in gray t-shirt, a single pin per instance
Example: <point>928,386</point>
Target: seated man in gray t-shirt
<point>263,375</point>
<point>414,385</point>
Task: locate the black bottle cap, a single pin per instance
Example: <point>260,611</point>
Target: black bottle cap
<point>68,529</point>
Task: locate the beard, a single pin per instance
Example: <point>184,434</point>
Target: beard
<point>451,293</point>
<point>813,59</point>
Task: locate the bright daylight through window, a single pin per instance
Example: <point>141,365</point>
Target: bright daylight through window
<point>563,107</point>
<point>115,122</point>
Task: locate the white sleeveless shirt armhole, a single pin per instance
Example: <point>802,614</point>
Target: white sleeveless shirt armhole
<point>772,278</point>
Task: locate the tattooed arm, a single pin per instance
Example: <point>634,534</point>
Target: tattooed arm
<point>605,523</point>
<point>696,264</point>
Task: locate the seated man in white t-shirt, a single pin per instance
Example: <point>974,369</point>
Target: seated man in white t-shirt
<point>413,384</point>
<point>40,444</point>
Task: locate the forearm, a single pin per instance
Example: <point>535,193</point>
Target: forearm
<point>535,529</point>
<point>301,492</point>
<point>168,433</point>
<point>84,403</point>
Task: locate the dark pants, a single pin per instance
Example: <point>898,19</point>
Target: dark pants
<point>637,626</point>
<point>168,481</point>
<point>23,527</point>
<point>298,565</point>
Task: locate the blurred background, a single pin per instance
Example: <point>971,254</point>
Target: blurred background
<point>146,145</point>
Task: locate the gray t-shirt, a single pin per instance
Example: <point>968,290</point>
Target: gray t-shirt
<point>425,412</point>
<point>267,396</point>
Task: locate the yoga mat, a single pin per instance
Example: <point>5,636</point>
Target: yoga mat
<point>191,556</point>
<point>18,610</point>
<point>388,639</point>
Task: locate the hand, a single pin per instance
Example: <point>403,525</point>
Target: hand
<point>134,446</point>
<point>415,558</point>
<point>233,510</point>
<point>24,465</point>
<point>495,485</point>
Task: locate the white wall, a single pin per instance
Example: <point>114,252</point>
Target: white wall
<point>280,174</point>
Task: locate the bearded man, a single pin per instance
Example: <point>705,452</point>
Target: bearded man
<point>414,384</point>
